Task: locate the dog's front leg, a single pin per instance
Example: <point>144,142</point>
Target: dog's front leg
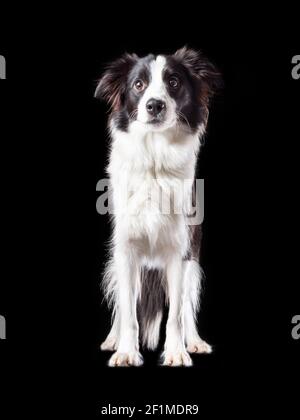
<point>127,271</point>
<point>192,279</point>
<point>111,341</point>
<point>175,353</point>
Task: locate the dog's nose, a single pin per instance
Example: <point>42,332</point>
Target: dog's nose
<point>155,106</point>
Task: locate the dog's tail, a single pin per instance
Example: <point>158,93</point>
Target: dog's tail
<point>150,307</point>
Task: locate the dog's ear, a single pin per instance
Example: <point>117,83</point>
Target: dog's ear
<point>112,85</point>
<point>203,70</point>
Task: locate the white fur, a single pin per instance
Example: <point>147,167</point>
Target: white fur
<point>157,90</point>
<point>151,335</point>
<point>143,235</point>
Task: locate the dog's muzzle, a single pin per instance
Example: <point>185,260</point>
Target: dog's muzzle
<point>156,109</point>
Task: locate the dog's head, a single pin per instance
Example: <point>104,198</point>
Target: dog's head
<point>160,92</point>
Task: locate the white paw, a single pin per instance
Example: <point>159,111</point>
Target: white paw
<point>176,358</point>
<point>133,358</point>
<point>110,344</point>
<point>199,346</point>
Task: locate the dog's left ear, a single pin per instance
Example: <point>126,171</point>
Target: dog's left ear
<point>112,86</point>
<point>209,77</point>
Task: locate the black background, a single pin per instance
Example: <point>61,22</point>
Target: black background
<point>54,149</point>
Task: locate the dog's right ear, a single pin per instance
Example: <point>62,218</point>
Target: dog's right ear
<point>112,85</point>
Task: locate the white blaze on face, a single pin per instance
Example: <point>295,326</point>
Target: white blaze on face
<point>157,90</point>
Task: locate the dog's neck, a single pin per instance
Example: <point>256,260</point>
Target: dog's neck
<point>173,151</point>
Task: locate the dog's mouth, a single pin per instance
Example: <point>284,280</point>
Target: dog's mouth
<point>156,120</point>
<point>157,123</point>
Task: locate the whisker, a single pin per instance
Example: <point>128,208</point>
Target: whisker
<point>181,114</point>
<point>133,113</point>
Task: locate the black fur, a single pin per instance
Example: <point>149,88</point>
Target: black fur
<point>198,77</point>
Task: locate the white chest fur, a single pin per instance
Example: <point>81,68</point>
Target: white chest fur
<point>151,176</point>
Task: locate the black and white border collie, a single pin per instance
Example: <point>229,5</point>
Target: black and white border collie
<point>159,111</point>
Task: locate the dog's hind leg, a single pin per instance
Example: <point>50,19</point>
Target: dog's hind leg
<point>150,307</point>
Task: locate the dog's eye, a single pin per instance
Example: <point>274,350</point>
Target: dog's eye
<point>174,82</point>
<point>139,85</point>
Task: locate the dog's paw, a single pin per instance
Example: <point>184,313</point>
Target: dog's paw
<point>199,346</point>
<point>133,358</point>
<point>110,344</point>
<point>176,358</point>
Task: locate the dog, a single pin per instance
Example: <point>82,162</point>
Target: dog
<point>159,108</point>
